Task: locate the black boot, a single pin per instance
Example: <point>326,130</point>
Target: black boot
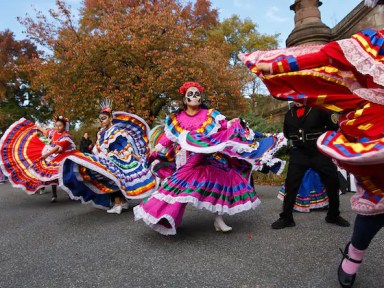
<point>282,223</point>
<point>346,280</point>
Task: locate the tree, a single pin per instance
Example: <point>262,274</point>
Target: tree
<point>17,99</point>
<point>242,36</point>
<point>136,52</point>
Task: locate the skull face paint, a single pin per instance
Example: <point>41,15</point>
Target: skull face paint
<point>193,97</point>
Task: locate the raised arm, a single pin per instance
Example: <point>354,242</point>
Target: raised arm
<point>56,149</point>
<point>291,64</point>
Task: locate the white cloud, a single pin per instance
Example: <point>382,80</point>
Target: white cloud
<point>273,15</point>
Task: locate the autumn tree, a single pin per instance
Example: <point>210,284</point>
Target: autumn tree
<point>136,52</point>
<point>17,99</point>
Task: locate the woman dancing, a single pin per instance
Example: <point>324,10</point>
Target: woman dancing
<point>28,162</point>
<point>117,170</point>
<point>206,161</point>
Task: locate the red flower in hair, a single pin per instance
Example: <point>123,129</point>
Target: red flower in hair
<point>61,118</point>
<point>107,109</point>
<point>188,85</point>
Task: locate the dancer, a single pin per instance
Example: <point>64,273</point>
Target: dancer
<point>117,171</point>
<point>344,76</point>
<point>30,163</point>
<point>206,161</point>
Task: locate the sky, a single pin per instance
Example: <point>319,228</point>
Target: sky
<point>271,16</point>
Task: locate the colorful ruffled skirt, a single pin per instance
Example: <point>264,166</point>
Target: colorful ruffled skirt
<point>93,179</point>
<point>358,146</point>
<point>21,150</point>
<point>210,182</point>
<point>311,194</point>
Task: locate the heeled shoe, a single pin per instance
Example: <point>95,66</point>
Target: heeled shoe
<point>220,225</point>
<point>117,209</point>
<point>346,280</point>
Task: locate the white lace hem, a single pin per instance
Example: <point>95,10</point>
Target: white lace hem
<point>153,222</point>
<point>213,208</point>
<point>359,58</point>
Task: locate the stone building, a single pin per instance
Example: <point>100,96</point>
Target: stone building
<point>309,29</point>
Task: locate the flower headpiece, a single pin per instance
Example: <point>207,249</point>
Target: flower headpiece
<point>62,119</point>
<point>188,85</point>
<point>106,106</point>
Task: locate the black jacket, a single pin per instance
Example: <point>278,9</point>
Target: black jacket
<point>84,145</point>
<point>303,132</point>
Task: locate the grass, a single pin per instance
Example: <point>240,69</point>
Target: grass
<point>270,178</point>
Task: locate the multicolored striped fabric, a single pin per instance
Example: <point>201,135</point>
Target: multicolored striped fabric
<point>162,163</point>
<point>136,128</point>
<point>93,179</point>
<point>154,136</point>
<point>119,164</point>
<point>238,142</point>
<point>207,182</point>
<point>214,161</point>
<point>210,125</point>
<point>21,150</point>
<point>311,195</point>
<point>351,83</point>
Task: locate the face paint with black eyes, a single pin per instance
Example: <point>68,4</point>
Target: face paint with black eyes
<point>193,97</point>
<point>104,120</point>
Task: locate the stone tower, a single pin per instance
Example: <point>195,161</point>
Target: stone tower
<point>309,29</point>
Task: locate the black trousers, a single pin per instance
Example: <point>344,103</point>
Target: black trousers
<point>299,162</point>
<point>366,227</point>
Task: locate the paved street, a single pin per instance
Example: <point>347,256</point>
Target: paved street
<point>67,244</point>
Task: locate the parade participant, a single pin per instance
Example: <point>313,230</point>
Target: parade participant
<point>311,194</point>
<point>344,76</point>
<point>28,162</point>
<point>302,126</point>
<point>86,144</point>
<point>117,171</point>
<point>206,161</point>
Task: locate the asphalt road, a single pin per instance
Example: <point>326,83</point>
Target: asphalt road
<point>67,244</point>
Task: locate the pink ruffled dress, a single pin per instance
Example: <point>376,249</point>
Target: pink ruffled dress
<point>212,165</point>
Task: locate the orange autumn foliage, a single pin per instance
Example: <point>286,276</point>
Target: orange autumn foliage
<point>17,99</point>
<point>136,52</point>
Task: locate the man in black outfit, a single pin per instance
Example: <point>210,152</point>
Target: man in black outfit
<point>302,127</point>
